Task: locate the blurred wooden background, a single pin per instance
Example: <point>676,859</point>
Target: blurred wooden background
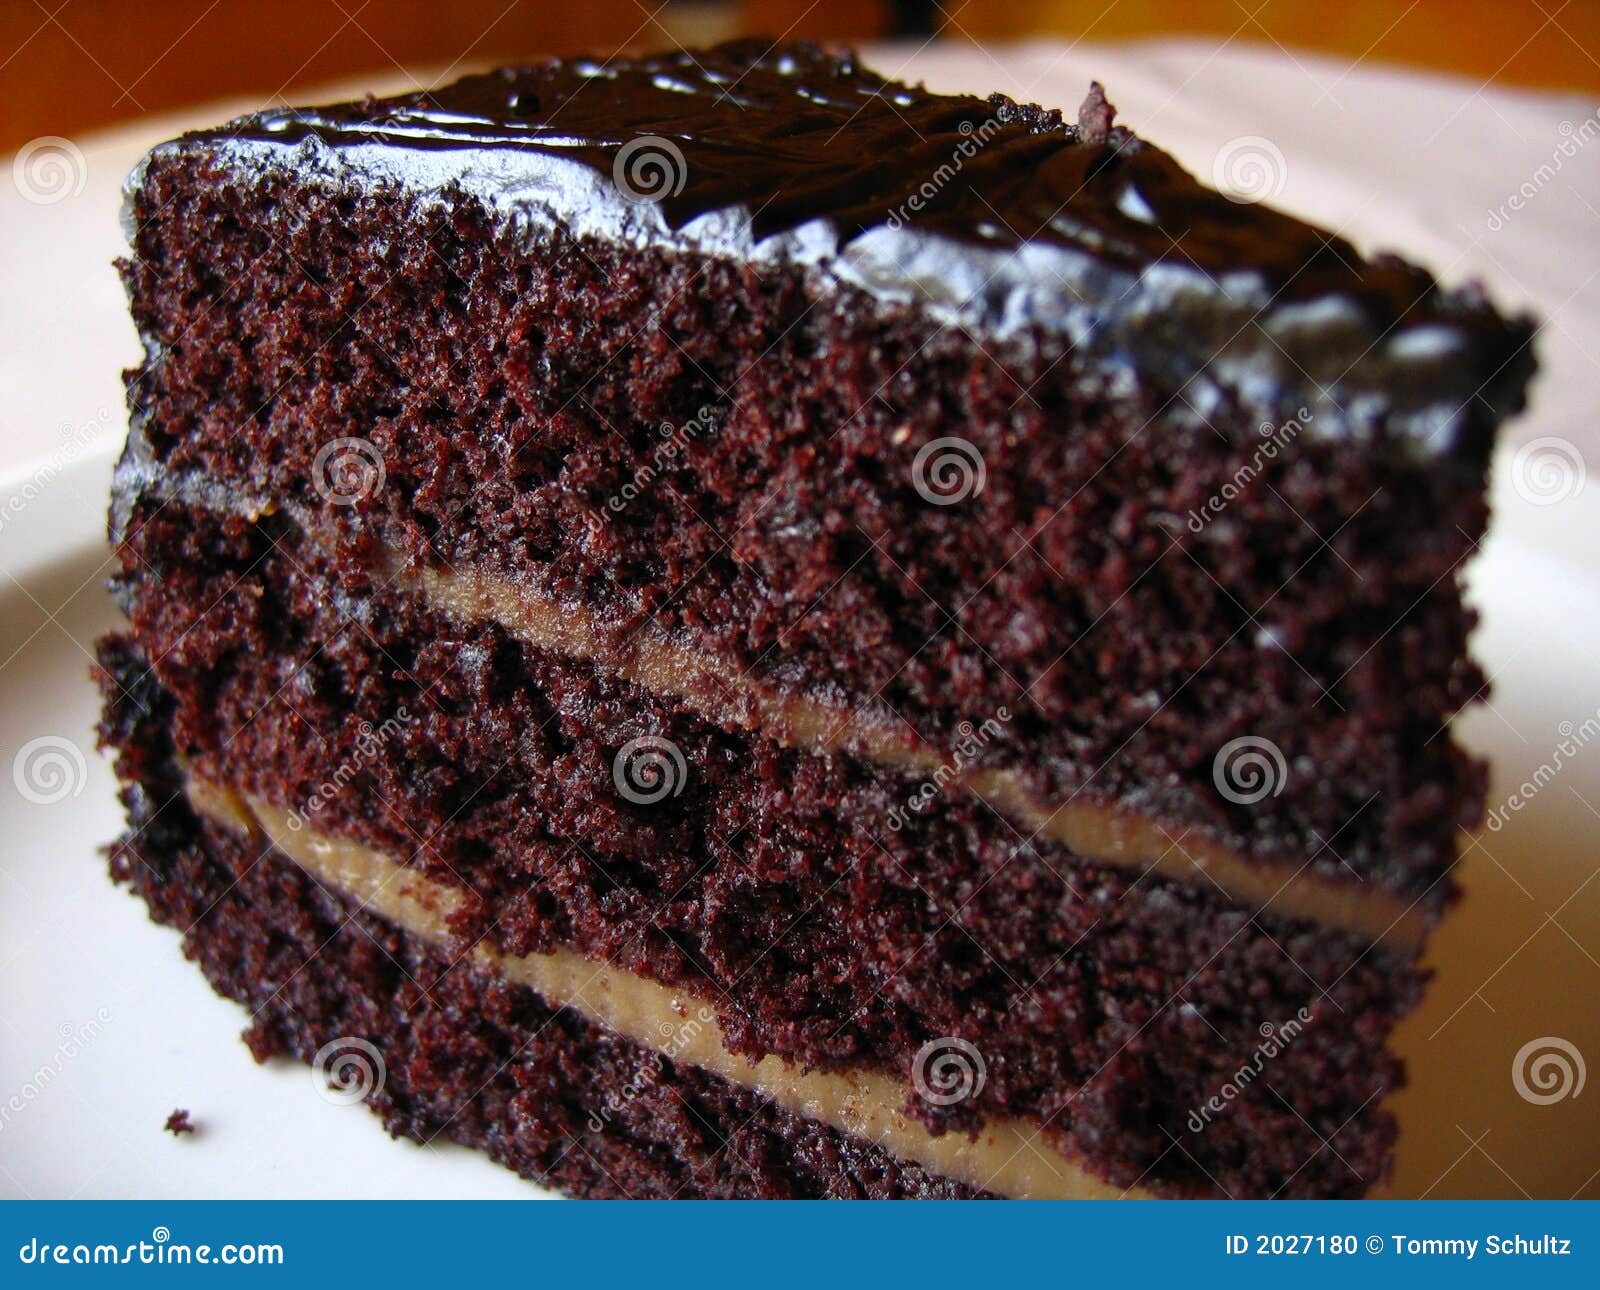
<point>68,66</point>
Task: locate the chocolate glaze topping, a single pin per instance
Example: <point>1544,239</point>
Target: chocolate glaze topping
<point>1003,218</point>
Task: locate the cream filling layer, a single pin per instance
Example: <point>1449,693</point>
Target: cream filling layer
<point>1009,1156</point>
<point>1103,834</point>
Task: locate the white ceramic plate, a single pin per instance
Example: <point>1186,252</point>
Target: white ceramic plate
<point>105,1028</point>
<point>1388,158</point>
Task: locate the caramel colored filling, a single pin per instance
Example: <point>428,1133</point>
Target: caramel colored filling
<point>1103,834</point>
<point>1100,833</point>
<point>1008,1156</point>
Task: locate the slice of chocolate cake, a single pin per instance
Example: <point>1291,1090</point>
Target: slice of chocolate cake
<point>732,627</point>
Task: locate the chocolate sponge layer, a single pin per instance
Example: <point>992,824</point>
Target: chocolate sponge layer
<point>1071,441</point>
<point>714,450</point>
<point>772,883</point>
<point>465,1057</point>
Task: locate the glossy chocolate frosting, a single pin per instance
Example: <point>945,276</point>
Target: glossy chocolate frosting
<point>1002,218</point>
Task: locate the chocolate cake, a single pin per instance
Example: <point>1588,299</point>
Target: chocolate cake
<point>730,627</point>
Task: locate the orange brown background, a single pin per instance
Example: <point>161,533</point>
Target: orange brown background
<point>70,66</point>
